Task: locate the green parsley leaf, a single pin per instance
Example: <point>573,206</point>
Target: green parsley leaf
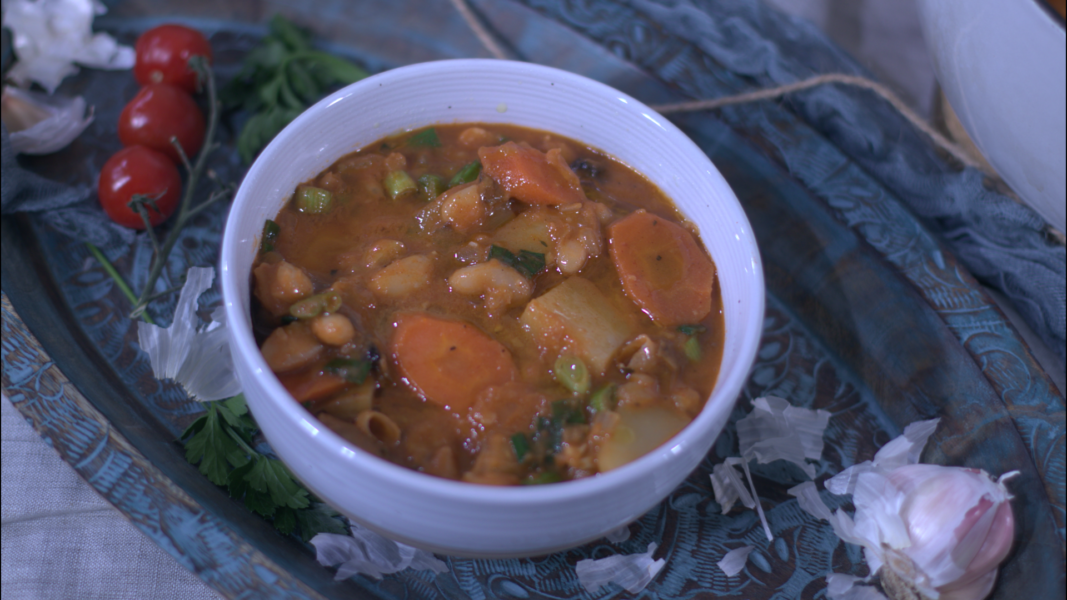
<point>319,518</point>
<point>278,80</point>
<point>691,329</point>
<point>221,442</point>
<point>285,520</point>
<point>427,138</point>
<point>525,262</point>
<point>211,447</point>
<point>272,476</point>
<point>194,427</point>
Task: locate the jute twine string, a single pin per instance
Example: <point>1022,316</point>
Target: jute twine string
<point>885,93</point>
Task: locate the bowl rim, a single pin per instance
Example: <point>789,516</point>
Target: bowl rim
<point>409,479</point>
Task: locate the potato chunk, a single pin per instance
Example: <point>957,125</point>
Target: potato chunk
<point>291,347</point>
<point>575,317</point>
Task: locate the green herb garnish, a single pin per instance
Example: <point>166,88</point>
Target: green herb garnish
<point>691,329</point>
<point>427,138</point>
<point>542,478</point>
<point>278,80</point>
<point>521,445</point>
<point>525,262</point>
<point>271,231</point>
<point>350,369</point>
<point>221,444</point>
<point>466,175</point>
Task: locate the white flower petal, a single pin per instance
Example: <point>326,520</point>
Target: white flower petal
<point>632,572</point>
<point>734,561</point>
<point>167,348</point>
<point>199,361</point>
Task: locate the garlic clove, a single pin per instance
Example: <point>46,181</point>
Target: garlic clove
<point>18,112</point>
<point>41,124</point>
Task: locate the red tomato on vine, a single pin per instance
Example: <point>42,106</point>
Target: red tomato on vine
<point>158,112</point>
<point>139,170</point>
<point>163,53</point>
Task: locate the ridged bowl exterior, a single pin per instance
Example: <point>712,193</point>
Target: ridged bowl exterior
<point>451,517</point>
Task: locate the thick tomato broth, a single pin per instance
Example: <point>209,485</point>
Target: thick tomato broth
<point>424,328</point>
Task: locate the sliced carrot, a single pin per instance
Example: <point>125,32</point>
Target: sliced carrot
<point>530,175</point>
<point>662,267</point>
<point>449,362</point>
<point>311,384</point>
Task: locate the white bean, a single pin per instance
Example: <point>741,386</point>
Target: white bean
<point>403,277</point>
<point>499,284</point>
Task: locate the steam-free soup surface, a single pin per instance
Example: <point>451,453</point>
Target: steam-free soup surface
<point>491,304</point>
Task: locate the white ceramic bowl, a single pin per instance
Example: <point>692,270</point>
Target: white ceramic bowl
<point>453,517</point>
<point>1002,64</point>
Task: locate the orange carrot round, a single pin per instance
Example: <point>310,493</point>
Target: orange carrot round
<point>662,267</point>
<point>449,362</point>
<point>531,176</point>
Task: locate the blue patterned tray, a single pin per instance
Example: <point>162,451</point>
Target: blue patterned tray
<point>868,317</point>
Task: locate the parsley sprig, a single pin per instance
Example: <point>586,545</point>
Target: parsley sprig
<point>278,80</point>
<point>221,442</point>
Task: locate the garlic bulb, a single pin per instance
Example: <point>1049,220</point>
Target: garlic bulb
<point>959,525</point>
<point>40,124</point>
<point>930,532</point>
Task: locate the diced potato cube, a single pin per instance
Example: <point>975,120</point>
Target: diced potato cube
<point>575,317</point>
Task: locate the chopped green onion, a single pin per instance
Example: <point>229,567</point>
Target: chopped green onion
<point>271,231</point>
<point>287,319</point>
<point>466,175</point>
<point>312,306</point>
<point>313,200</point>
<point>308,308</point>
<point>399,183</point>
<point>542,478</point>
<point>426,138</point>
<point>350,369</point>
<point>525,262</point>
<point>603,399</point>
<point>570,371</point>
<point>521,445</point>
<point>691,329</point>
<point>431,186</point>
<point>692,349</point>
<point>331,301</point>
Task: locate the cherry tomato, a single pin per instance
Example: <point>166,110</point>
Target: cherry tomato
<point>162,56</point>
<point>139,170</point>
<point>158,112</point>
